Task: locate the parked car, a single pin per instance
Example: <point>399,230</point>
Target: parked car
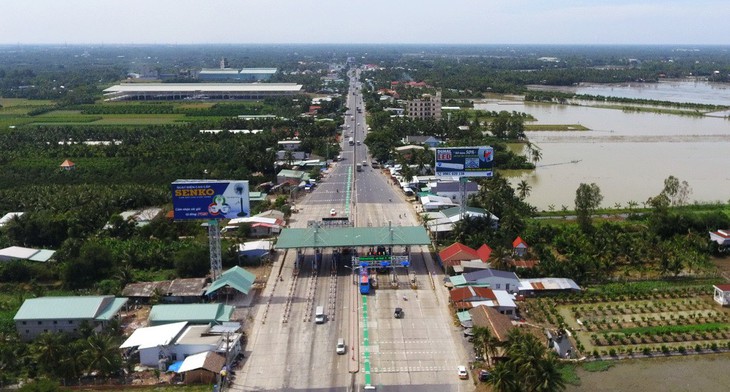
<point>463,374</point>
<point>333,212</point>
<point>484,375</point>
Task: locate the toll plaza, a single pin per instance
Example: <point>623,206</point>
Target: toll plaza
<point>361,248</point>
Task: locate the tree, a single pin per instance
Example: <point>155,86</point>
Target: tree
<point>587,199</point>
<point>102,354</point>
<point>192,262</point>
<point>523,189</point>
<point>529,367</point>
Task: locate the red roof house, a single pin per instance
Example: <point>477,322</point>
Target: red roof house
<point>68,165</point>
<point>484,252</point>
<point>455,253</point>
<point>471,293</point>
<point>519,246</point>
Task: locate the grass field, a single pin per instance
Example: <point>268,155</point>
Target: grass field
<point>555,127</point>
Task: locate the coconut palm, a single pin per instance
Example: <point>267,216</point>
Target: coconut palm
<point>523,189</point>
<point>102,354</point>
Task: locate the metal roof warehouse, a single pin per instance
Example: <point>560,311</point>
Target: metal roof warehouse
<point>199,91</point>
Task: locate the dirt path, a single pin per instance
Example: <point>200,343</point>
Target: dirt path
<point>706,373</point>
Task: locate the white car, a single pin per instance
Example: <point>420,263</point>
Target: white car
<point>463,374</point>
<point>333,212</point>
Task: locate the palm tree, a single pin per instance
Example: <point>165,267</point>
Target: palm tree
<point>523,189</point>
<point>504,378</point>
<point>535,154</point>
<point>102,354</point>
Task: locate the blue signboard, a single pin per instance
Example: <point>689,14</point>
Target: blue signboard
<point>210,199</point>
<point>465,161</point>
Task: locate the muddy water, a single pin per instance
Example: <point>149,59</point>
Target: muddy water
<point>705,373</point>
<point>627,154</point>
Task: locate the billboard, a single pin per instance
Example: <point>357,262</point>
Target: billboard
<point>210,199</point>
<point>465,161</point>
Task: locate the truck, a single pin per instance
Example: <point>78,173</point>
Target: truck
<point>351,141</point>
<point>358,167</point>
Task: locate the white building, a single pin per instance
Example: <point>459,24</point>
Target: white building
<point>174,342</point>
<point>722,294</point>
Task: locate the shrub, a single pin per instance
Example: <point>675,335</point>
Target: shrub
<point>682,350</point>
<point>646,351</point>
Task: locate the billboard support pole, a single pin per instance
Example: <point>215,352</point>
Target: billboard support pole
<point>214,242</point>
<point>462,195</point>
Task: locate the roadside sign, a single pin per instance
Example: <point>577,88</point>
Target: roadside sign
<point>465,162</point>
<point>210,199</point>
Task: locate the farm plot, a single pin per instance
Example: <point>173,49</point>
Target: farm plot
<point>653,324</point>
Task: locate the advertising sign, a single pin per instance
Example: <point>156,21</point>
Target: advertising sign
<point>210,199</point>
<point>465,161</point>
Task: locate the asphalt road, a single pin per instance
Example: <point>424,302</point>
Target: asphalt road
<point>287,351</point>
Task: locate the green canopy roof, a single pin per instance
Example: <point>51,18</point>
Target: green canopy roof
<point>236,277</point>
<point>100,308</point>
<point>193,313</point>
<point>332,237</point>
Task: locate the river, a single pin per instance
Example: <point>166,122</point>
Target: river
<point>628,154</point>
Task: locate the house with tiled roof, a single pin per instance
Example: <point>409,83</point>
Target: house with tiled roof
<point>519,247</point>
<point>484,252</point>
<point>498,324</point>
<point>453,254</point>
<point>470,296</point>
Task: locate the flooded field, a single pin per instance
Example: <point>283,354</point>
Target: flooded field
<point>628,154</point>
<point>706,373</point>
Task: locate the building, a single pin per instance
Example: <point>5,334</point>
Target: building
<point>234,279</point>
<point>289,145</point>
<point>453,254</point>
<point>65,314</point>
<point>236,75</point>
<point>191,313</point>
<point>9,217</point>
<point>547,286</point>
<point>161,345</point>
<point>722,294</point>
<point>138,217</point>
<point>444,220</point>
<point>429,141</point>
<point>519,247</point>
<point>451,190</point>
<point>428,106</point>
<point>199,91</point>
<point>498,324</point>
<point>254,250</point>
<point>496,279</point>
<point>184,290</point>
<point>722,237</point>
<point>203,368</point>
<point>67,165</point>
<point>469,297</point>
<point>291,177</point>
<point>30,254</point>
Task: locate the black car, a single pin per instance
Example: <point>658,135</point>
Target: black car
<point>398,313</point>
<point>484,375</point>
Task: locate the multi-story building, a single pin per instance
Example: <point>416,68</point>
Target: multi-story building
<point>428,106</point>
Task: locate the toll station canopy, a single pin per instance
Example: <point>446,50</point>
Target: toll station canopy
<point>343,237</point>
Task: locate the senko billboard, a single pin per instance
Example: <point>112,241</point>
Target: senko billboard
<point>210,199</point>
<point>465,161</point>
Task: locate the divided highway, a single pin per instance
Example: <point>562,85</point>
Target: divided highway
<point>287,351</point>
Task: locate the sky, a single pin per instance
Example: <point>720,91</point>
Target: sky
<point>694,22</point>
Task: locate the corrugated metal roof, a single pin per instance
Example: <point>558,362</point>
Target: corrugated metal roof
<point>194,313</point>
<point>160,335</point>
<point>207,360</point>
<point>236,277</point>
<point>82,307</point>
<point>17,252</point>
<point>352,236</point>
<point>201,88</point>
<point>42,255</point>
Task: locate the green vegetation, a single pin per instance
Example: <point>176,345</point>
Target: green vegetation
<point>569,374</point>
<point>555,127</point>
<point>529,367</point>
<point>597,366</point>
<point>667,329</point>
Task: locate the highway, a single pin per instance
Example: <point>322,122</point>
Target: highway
<point>287,351</point>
